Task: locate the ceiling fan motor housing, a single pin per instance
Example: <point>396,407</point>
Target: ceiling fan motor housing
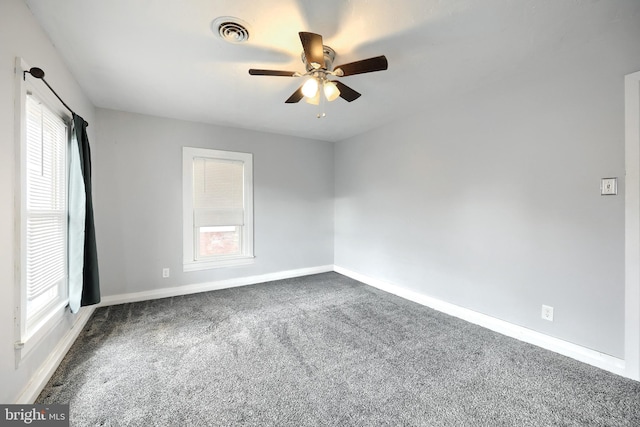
<point>329,56</point>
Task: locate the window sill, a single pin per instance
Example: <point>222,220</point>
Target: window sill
<point>39,331</point>
<point>211,264</point>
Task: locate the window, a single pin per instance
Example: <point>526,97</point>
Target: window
<point>44,139</point>
<point>218,208</point>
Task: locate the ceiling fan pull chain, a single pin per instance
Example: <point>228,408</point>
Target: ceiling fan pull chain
<point>321,112</point>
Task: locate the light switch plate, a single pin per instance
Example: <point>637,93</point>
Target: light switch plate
<point>609,186</point>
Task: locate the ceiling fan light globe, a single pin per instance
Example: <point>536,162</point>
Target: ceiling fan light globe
<point>331,91</point>
<point>314,100</point>
<point>310,88</point>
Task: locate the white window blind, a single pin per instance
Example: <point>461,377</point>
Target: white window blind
<point>218,192</point>
<point>46,206</point>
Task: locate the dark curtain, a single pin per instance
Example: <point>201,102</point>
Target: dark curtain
<point>91,281</point>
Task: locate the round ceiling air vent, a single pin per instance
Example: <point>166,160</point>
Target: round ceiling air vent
<point>230,29</point>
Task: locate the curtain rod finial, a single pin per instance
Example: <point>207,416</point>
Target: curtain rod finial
<point>36,72</point>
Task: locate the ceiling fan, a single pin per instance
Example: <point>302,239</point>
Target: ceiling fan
<point>318,60</point>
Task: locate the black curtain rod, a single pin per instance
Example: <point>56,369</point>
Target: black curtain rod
<point>39,74</point>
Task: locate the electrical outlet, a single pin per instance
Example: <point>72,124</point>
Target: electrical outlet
<point>165,273</point>
<point>547,313</point>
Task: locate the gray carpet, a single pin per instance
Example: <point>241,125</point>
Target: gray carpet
<point>322,350</point>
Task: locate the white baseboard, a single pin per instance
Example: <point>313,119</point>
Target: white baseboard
<point>577,352</point>
<point>210,286</point>
<point>582,354</point>
<point>46,370</point>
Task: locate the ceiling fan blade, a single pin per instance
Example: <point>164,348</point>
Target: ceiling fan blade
<point>346,92</point>
<point>295,97</point>
<point>313,50</point>
<point>255,72</point>
<point>378,63</point>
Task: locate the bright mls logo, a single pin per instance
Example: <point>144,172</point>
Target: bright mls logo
<point>34,415</point>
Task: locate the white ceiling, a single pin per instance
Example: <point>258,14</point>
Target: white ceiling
<point>160,57</point>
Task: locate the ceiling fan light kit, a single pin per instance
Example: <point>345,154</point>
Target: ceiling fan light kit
<point>331,91</point>
<point>310,87</point>
<point>318,60</point>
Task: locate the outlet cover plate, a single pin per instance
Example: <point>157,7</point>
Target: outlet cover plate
<point>547,313</point>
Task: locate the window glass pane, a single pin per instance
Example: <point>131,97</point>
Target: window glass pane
<point>46,206</point>
<point>220,240</point>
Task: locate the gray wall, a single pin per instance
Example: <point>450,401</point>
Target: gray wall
<point>21,36</point>
<point>491,201</point>
<point>139,208</point>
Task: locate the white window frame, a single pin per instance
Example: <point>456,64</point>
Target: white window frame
<point>190,263</point>
<point>30,332</point>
